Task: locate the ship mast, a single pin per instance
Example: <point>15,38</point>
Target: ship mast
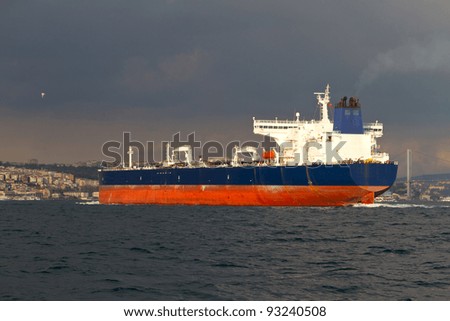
<point>130,157</point>
<point>323,99</point>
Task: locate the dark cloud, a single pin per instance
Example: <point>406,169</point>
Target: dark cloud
<point>160,66</point>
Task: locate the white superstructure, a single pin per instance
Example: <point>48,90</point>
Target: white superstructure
<point>318,141</point>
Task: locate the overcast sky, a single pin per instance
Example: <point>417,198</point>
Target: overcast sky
<point>154,67</point>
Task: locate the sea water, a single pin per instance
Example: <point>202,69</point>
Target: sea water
<point>64,250</point>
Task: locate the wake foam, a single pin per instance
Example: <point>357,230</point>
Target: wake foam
<point>401,205</point>
<point>88,203</point>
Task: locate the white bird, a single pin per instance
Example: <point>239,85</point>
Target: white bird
<point>42,95</point>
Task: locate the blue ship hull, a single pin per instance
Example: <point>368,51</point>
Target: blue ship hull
<point>260,185</point>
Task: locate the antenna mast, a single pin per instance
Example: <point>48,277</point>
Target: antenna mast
<point>323,102</point>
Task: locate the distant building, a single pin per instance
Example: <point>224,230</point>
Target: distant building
<point>86,182</point>
<point>46,193</point>
<point>425,197</point>
<point>437,187</point>
<point>81,195</point>
<point>69,177</point>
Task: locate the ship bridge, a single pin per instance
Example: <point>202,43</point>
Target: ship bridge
<point>375,128</point>
<point>346,139</point>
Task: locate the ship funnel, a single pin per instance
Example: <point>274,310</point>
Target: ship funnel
<point>348,117</point>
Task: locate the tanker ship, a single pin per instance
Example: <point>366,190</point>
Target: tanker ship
<point>315,163</point>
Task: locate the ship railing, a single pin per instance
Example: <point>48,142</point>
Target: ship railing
<point>271,126</point>
<point>380,156</point>
<point>276,121</point>
<point>373,126</point>
<point>280,124</point>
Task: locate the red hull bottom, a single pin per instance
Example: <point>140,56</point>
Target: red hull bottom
<point>238,195</point>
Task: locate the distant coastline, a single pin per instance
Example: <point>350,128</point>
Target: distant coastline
<point>31,181</point>
<point>433,187</point>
